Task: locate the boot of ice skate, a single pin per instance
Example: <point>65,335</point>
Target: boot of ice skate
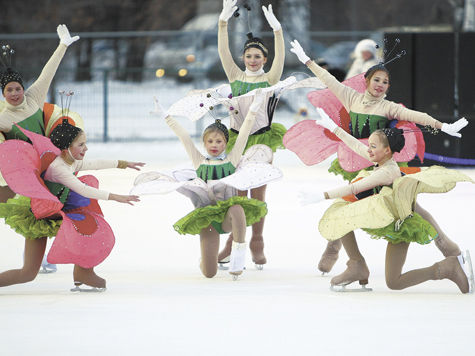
<point>89,278</point>
<point>330,256</point>
<point>458,270</point>
<point>223,256</point>
<point>447,246</point>
<point>47,267</point>
<point>256,245</point>
<point>356,270</point>
<point>237,259</point>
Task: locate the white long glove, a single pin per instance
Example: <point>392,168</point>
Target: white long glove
<point>259,99</point>
<point>271,19</point>
<point>229,6</point>
<point>298,50</point>
<point>158,110</point>
<point>307,198</point>
<point>64,36</point>
<point>453,129</point>
<point>325,120</point>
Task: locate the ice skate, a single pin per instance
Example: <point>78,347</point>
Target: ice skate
<point>458,270</point>
<point>224,254</point>
<point>237,259</point>
<point>90,289</point>
<point>256,245</point>
<point>329,257</point>
<point>47,267</point>
<point>357,270</point>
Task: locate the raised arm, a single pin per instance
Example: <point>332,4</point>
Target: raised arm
<point>344,93</point>
<point>227,61</point>
<point>275,72</point>
<point>353,143</point>
<point>236,153</point>
<point>39,89</point>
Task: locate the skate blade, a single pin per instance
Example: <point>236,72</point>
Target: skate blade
<point>44,270</point>
<point>223,266</point>
<point>259,266</point>
<point>87,290</point>
<point>344,289</point>
<point>468,269</point>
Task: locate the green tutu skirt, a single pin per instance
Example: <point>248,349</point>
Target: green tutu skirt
<point>336,169</point>
<point>18,215</point>
<point>271,138</point>
<point>201,218</point>
<point>413,229</point>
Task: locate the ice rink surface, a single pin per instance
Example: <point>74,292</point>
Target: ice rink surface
<point>158,303</point>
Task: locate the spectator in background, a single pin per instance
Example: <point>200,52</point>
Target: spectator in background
<point>365,57</point>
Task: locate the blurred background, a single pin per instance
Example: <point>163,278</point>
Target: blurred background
<point>132,50</point>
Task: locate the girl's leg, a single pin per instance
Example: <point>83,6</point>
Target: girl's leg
<point>87,276</point>
<point>256,244</point>
<point>34,251</point>
<point>443,243</point>
<point>449,268</point>
<point>330,256</point>
<point>357,269</point>
<point>209,240</point>
<point>5,194</point>
<point>226,251</point>
<point>235,221</point>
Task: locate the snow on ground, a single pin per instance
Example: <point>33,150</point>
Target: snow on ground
<point>158,303</point>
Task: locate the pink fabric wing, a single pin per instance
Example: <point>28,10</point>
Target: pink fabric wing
<point>411,145</point>
<point>349,160</point>
<point>312,143</point>
<point>86,241</point>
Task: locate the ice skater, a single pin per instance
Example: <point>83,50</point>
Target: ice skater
<point>370,111</point>
<point>381,203</point>
<point>67,205</point>
<point>264,131</point>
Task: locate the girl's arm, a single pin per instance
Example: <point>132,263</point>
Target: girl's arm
<point>195,155</point>
<point>230,68</point>
<point>277,68</point>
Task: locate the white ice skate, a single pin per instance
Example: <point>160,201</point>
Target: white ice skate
<point>47,267</point>
<point>237,259</point>
<point>89,289</point>
<point>466,263</point>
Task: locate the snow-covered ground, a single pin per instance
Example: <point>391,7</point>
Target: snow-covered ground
<point>158,303</point>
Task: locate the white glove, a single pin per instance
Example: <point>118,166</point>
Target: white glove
<point>229,6</point>
<point>298,50</point>
<point>158,110</point>
<point>64,36</point>
<point>325,120</point>
<point>453,129</point>
<point>307,198</point>
<point>271,19</point>
<point>259,99</point>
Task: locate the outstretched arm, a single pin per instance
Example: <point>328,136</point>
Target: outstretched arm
<point>39,89</point>
<point>195,155</point>
<point>344,93</point>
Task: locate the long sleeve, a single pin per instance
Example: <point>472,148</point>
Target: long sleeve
<point>195,155</point>
<point>236,153</point>
<point>398,111</point>
<point>39,89</point>
<point>345,94</point>
<point>230,68</point>
<point>353,143</point>
<point>275,73</point>
<point>377,178</point>
<point>60,172</point>
<point>89,165</point>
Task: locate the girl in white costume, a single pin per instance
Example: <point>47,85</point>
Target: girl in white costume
<point>263,131</point>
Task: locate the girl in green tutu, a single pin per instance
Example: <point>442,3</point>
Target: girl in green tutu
<point>218,209</point>
<point>382,204</point>
<point>264,131</point>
